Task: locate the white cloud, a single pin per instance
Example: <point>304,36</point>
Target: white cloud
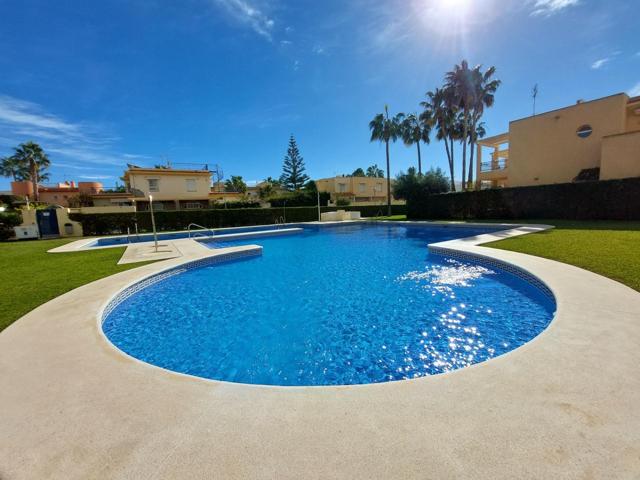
<point>96,177</point>
<point>285,43</point>
<point>635,90</point>
<point>550,7</point>
<point>249,14</point>
<point>70,145</point>
<point>319,50</point>
<point>598,64</point>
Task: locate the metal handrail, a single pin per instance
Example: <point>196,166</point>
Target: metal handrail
<point>493,165</point>
<point>201,228</point>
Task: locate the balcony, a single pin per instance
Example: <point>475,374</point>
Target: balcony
<point>493,166</point>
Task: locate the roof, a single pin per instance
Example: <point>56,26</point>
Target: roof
<point>495,140</point>
<point>165,171</point>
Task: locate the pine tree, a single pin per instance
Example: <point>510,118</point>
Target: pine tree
<point>293,176</point>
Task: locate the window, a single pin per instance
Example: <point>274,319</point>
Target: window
<point>342,187</point>
<point>191,185</point>
<point>378,187</point>
<point>153,185</point>
<point>362,187</point>
<point>192,205</point>
<point>584,131</point>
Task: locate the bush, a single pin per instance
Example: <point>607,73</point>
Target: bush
<point>8,220</point>
<point>234,205</point>
<point>304,198</point>
<point>413,185</point>
<point>343,202</point>
<point>117,223</point>
<point>601,200</point>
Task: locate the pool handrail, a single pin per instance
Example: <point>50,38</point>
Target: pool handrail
<point>200,227</point>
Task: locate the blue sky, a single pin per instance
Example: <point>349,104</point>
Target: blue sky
<point>100,84</point>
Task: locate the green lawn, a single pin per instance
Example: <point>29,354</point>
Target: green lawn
<point>611,249</point>
<point>30,277</point>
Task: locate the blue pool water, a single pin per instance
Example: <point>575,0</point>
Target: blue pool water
<point>335,306</point>
<point>148,237</point>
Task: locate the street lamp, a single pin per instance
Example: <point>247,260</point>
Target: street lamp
<point>153,223</point>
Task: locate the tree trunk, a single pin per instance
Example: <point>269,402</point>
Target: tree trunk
<point>453,165</point>
<point>465,138</point>
<point>419,159</point>
<point>388,181</point>
<point>34,179</point>
<point>472,144</point>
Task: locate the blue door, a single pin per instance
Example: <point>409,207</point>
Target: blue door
<point>47,223</point>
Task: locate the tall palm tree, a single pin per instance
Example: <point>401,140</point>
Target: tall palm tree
<point>415,129</point>
<point>32,158</point>
<point>460,82</point>
<point>385,129</point>
<point>440,112</point>
<point>485,88</point>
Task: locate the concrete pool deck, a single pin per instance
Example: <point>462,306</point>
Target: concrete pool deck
<point>564,406</point>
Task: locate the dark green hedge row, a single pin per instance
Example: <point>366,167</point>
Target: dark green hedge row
<point>117,223</point>
<point>599,200</point>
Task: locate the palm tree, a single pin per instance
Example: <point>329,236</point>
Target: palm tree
<point>9,167</point>
<point>385,129</point>
<point>414,130</point>
<point>32,159</point>
<point>441,113</point>
<point>485,89</point>
<point>375,172</point>
<point>460,82</point>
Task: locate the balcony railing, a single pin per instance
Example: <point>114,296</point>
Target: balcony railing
<point>493,165</point>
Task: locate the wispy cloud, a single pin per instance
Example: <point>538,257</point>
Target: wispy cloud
<point>598,64</point>
<point>248,13</point>
<point>75,145</point>
<point>551,7</point>
<point>319,50</point>
<point>635,90</point>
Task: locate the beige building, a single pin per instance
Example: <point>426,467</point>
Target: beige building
<point>357,190</point>
<point>172,189</point>
<point>598,139</point>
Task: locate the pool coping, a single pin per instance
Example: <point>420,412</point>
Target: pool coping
<point>551,408</point>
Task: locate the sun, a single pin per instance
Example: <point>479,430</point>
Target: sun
<point>447,17</point>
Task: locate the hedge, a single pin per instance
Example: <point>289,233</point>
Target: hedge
<point>598,200</point>
<point>8,220</point>
<point>117,223</point>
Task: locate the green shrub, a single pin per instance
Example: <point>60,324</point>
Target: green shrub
<point>8,220</point>
<point>343,202</point>
<point>234,205</point>
<point>303,198</point>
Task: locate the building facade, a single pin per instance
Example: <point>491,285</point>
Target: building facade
<point>598,139</point>
<point>357,190</point>
<point>171,189</point>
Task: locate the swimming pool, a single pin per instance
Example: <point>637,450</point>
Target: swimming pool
<point>331,306</point>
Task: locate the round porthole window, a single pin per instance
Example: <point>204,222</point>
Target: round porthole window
<point>584,131</point>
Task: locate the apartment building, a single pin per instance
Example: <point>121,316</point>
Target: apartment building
<point>594,140</point>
